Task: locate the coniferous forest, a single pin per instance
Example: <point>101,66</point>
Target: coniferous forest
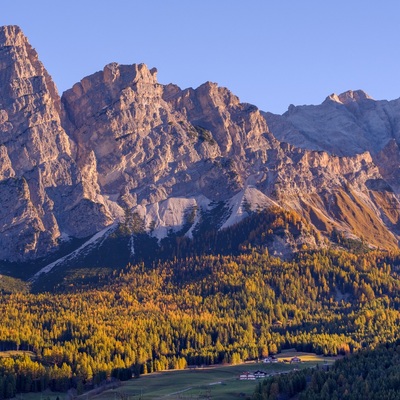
<point>366,374</point>
<point>242,304</point>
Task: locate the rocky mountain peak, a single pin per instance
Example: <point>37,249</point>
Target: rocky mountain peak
<point>30,127</point>
<point>351,96</point>
<point>113,86</point>
<point>19,60</point>
<point>38,171</point>
<point>11,35</point>
<point>150,141</point>
<point>348,97</point>
<point>129,73</point>
<point>332,97</point>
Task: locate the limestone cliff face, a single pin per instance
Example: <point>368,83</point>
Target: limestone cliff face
<point>140,146</point>
<point>152,142</point>
<point>346,124</point>
<point>346,194</point>
<point>357,127</point>
<point>120,140</point>
<point>154,146</point>
<point>37,169</point>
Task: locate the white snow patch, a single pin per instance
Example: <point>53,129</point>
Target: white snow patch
<point>255,200</point>
<point>95,238</point>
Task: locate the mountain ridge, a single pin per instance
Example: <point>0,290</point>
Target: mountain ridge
<point>119,140</point>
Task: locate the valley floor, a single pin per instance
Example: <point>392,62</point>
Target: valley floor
<point>219,382</point>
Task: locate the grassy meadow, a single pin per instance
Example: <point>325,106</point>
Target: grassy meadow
<point>215,382</point>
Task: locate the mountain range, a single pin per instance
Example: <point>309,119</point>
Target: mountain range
<point>118,143</point>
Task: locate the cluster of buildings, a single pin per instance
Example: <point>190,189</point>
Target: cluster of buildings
<point>273,359</point>
<point>252,376</point>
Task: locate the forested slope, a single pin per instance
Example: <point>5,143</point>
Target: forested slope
<point>368,374</point>
<point>199,310</point>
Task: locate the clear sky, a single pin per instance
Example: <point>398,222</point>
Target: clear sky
<point>270,53</point>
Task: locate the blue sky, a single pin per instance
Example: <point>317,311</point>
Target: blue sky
<point>269,53</point>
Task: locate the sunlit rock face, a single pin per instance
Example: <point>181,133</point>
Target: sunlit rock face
<point>40,181</point>
<point>159,148</point>
<point>347,124</point>
<point>118,140</point>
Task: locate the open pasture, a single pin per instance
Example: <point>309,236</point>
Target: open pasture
<point>211,382</point>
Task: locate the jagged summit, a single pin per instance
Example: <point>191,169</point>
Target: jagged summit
<point>12,35</point>
<point>349,97</point>
<point>18,58</point>
<point>360,124</point>
<point>39,179</point>
<point>354,96</point>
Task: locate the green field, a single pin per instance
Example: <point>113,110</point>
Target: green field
<point>211,382</point>
<point>218,382</point>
